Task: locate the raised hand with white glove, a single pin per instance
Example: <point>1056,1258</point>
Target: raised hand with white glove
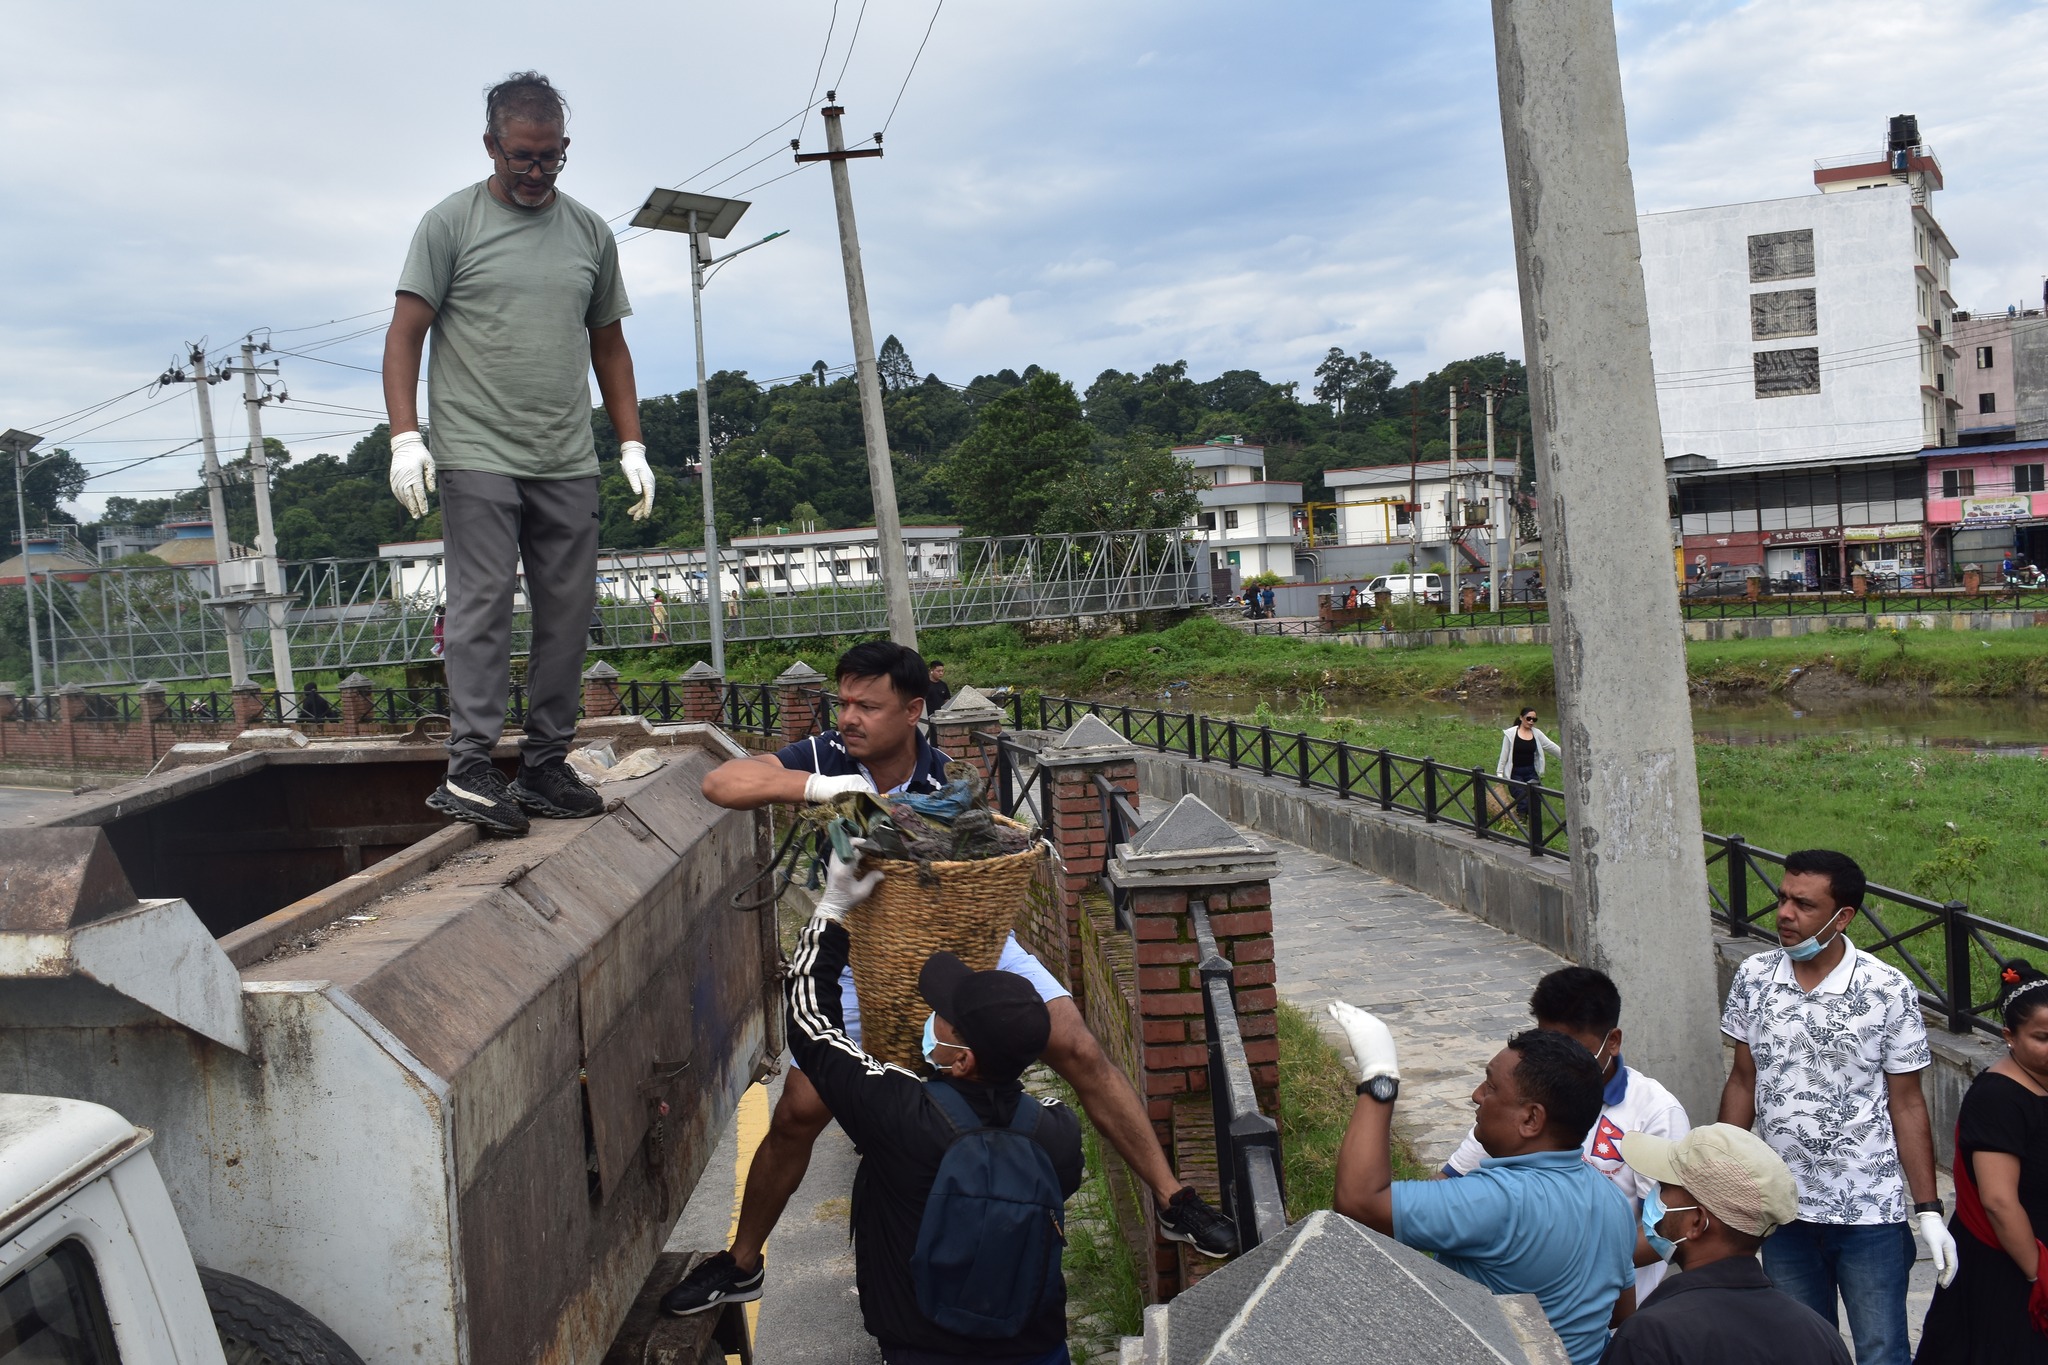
<point>1941,1247</point>
<point>818,787</point>
<point>1372,1042</point>
<point>639,478</point>
<point>412,472</point>
<point>844,889</point>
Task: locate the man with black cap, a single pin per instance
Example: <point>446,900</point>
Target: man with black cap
<point>985,1029</point>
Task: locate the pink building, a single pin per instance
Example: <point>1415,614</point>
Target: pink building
<point>1985,503</point>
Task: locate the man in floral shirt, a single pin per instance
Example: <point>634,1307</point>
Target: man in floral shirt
<point>1829,1046</point>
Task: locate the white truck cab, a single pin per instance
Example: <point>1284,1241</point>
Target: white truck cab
<point>93,1264</point>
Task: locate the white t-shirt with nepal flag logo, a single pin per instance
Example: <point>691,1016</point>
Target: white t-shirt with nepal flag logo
<point>1632,1103</point>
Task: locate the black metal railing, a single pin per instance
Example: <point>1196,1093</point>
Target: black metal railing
<point>1023,785</point>
<point>1952,957</point>
<point>1120,820</point>
<point>1524,813</point>
<point>1248,1169</point>
<point>750,708</point>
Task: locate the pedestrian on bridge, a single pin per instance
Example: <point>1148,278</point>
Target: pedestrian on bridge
<point>519,285</point>
<point>1584,1005</point>
<point>1829,1047</point>
<point>1534,1218</point>
<point>880,747</point>
<point>950,1166</point>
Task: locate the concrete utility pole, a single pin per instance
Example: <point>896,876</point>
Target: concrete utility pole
<point>889,554</point>
<point>266,534</point>
<point>1496,507</point>
<point>1639,885</point>
<point>19,443</point>
<point>1451,510</point>
<point>216,502</point>
<point>714,607</point>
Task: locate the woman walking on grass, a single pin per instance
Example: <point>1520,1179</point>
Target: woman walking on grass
<point>1996,1309</point>
<point>1521,755</point>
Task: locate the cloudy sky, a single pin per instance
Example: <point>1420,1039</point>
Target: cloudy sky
<point>1073,183</point>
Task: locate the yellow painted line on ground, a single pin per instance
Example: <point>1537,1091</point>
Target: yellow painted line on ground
<point>750,1125</point>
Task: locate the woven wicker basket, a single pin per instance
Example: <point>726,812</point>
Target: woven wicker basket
<point>965,908</point>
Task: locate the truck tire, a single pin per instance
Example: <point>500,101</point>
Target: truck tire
<point>260,1327</point>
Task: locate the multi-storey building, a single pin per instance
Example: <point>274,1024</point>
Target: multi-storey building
<point>1247,523</point>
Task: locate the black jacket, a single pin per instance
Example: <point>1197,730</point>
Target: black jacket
<point>902,1137</point>
<point>1727,1313</point>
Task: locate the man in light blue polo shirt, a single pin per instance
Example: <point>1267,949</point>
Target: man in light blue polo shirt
<point>1534,1218</point>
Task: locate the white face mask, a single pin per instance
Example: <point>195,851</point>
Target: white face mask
<point>1600,1057</point>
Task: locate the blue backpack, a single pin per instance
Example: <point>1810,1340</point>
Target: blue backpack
<point>988,1249</point>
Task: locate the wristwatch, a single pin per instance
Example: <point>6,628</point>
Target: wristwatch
<point>1381,1088</point>
<point>1930,1206</point>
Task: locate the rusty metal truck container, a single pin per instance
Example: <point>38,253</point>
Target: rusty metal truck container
<point>450,1096</point>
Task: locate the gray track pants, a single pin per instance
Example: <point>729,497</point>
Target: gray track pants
<point>490,524</point>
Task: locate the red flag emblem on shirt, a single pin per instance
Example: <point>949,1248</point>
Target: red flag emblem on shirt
<point>1606,1140</point>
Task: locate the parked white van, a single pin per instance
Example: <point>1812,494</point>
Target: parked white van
<point>1406,587</point>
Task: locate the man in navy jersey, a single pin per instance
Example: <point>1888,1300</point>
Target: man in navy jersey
<point>879,748</point>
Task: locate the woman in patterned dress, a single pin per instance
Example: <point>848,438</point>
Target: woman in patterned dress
<point>1996,1310</point>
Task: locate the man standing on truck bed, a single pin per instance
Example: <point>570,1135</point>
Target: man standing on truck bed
<point>520,287</point>
<point>878,748</point>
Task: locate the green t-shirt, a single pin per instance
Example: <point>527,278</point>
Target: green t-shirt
<point>514,293</point>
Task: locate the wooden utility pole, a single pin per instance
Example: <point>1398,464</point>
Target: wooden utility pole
<point>889,555</point>
<point>1640,908</point>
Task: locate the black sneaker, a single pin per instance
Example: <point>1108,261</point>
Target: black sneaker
<point>715,1281</point>
<point>481,798</point>
<point>555,791</point>
<point>1190,1219</point>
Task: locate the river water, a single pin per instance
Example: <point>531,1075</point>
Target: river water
<point>2011,725</point>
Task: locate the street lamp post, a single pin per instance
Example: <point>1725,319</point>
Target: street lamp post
<point>703,217</point>
<point>19,443</point>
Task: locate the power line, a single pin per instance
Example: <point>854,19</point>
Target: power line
<point>840,82</point>
<point>818,75</point>
<point>913,65</point>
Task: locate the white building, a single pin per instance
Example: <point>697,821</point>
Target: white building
<point>1453,508</point>
<point>1808,328</point>
<point>1247,522</point>
<point>774,564</point>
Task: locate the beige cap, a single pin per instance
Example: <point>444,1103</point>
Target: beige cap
<point>1731,1171</point>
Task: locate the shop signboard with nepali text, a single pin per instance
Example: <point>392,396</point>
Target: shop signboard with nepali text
<point>1996,509</point>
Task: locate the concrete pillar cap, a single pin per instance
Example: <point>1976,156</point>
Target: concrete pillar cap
<point>356,681</point>
<point>1190,845</point>
<point>702,671</point>
<point>7,689</point>
<point>152,688</point>
<point>599,672</point>
<point>71,689</point>
<point>1090,741</point>
<point>250,686</point>
<point>969,704</point>
<point>799,672</point>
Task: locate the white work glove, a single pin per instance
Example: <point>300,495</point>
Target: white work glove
<point>412,472</point>
<point>818,787</point>
<point>844,889</point>
<point>1372,1043</point>
<point>1941,1248</point>
<point>639,478</point>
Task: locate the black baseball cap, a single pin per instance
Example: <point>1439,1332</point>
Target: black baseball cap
<point>998,1014</point>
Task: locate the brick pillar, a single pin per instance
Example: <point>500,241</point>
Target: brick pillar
<point>703,695</point>
<point>71,703</point>
<point>955,725</point>
<point>10,710</point>
<point>1187,854</point>
<point>247,699</point>
<point>357,698</point>
<point>152,709</point>
<point>600,691</point>
<point>1075,818</point>
<point>797,690</point>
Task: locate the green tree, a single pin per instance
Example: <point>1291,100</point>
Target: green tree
<point>897,374</point>
<point>1023,443</point>
<point>1132,484</point>
<point>53,478</point>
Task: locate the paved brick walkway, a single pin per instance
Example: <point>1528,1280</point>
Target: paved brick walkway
<point>1450,987</point>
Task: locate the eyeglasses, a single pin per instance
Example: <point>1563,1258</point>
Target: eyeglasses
<point>521,165</point>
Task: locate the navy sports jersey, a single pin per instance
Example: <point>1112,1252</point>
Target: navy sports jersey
<point>826,753</point>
